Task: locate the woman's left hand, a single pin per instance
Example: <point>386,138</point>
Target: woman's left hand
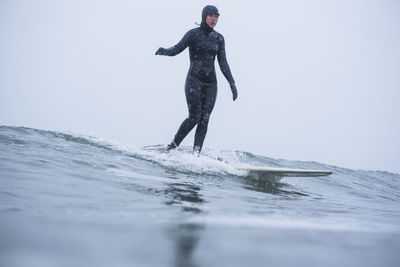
<point>234,91</point>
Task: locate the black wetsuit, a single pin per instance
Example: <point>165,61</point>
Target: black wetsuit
<point>201,82</point>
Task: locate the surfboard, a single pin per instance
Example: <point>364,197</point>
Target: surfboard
<point>283,172</point>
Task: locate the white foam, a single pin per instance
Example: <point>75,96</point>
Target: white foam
<point>190,162</point>
<point>179,159</point>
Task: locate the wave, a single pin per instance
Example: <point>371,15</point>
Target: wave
<point>181,160</point>
<point>41,150</point>
<point>70,189</point>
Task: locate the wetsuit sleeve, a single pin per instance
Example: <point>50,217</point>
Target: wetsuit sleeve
<point>178,48</point>
<point>223,63</point>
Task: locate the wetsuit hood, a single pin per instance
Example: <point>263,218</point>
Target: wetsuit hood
<point>207,10</point>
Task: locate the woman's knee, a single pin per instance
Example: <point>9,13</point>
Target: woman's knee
<point>204,119</point>
<point>195,118</point>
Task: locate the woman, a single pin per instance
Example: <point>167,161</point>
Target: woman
<point>201,82</point>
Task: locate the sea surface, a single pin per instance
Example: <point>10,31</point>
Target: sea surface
<point>74,200</point>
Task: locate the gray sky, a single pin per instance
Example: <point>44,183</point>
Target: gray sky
<point>317,80</point>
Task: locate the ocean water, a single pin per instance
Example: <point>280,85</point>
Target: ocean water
<point>71,200</point>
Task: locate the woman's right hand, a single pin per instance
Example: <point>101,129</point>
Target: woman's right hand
<point>160,51</point>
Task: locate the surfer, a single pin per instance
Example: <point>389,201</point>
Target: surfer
<point>201,82</point>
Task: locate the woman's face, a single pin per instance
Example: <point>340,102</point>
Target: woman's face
<point>212,20</point>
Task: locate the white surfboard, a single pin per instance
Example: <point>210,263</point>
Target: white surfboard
<point>283,172</point>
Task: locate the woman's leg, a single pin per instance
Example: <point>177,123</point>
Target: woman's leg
<point>209,96</point>
<point>193,99</point>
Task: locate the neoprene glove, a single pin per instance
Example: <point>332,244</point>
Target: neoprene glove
<point>234,91</point>
<point>160,51</point>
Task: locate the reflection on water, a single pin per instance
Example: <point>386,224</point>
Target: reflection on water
<point>185,238</point>
<point>185,194</point>
<point>268,184</point>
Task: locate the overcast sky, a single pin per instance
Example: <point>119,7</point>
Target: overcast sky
<point>317,80</point>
